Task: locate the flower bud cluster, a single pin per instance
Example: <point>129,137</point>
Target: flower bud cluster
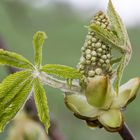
<point>96,55</point>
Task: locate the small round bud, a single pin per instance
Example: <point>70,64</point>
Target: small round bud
<point>94,40</point>
<point>101,61</point>
<point>93,44</point>
<point>97,22</point>
<point>88,61</point>
<point>89,46</point>
<point>93,59</point>
<point>92,33</point>
<point>99,64</point>
<point>88,51</point>
<point>104,47</point>
<point>83,49</point>
<point>93,53</point>
<point>82,60</point>
<point>104,52</point>
<point>99,50</point>
<point>104,20</point>
<point>106,23</point>
<point>85,44</point>
<point>81,67</point>
<point>108,56</point>
<point>98,45</point>
<point>104,57</point>
<point>98,71</point>
<point>91,73</point>
<point>107,61</point>
<point>89,36</point>
<point>88,56</point>
<point>89,42</point>
<point>99,54</point>
<point>104,65</point>
<point>101,16</point>
<point>82,72</point>
<point>103,25</point>
<point>93,64</point>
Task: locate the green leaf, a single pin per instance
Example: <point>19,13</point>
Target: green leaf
<point>41,103</point>
<point>38,41</point>
<point>12,81</point>
<point>117,23</point>
<point>14,60</point>
<point>61,71</point>
<point>120,30</point>
<point>119,74</point>
<point>107,36</point>
<point>14,91</point>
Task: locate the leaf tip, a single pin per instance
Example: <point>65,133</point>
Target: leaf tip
<point>38,38</point>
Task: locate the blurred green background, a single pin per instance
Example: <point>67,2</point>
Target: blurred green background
<point>66,34</point>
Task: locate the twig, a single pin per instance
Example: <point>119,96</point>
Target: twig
<point>61,85</point>
<point>126,133</point>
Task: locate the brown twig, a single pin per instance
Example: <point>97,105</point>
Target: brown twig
<point>126,133</point>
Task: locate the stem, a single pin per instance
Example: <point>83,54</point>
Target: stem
<point>60,84</point>
<point>126,133</point>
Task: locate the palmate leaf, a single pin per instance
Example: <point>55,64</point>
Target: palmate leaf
<point>38,41</point>
<point>11,81</point>
<point>61,71</point>
<point>117,23</point>
<point>41,103</point>
<point>13,59</point>
<point>107,36</point>
<point>14,91</point>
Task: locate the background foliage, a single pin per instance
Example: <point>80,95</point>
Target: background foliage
<point>66,34</point>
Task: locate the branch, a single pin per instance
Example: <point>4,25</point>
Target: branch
<point>60,84</point>
<point>126,133</point>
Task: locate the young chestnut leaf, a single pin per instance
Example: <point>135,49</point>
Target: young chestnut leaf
<point>38,41</point>
<point>107,36</point>
<point>10,84</point>
<point>61,71</point>
<point>41,103</point>
<point>14,60</point>
<point>20,87</point>
<point>117,23</point>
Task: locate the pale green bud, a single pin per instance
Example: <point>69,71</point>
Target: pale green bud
<point>98,71</point>
<point>88,61</point>
<point>88,51</point>
<point>91,73</point>
<point>108,56</point>
<point>98,45</point>
<point>99,50</point>
<point>99,92</point>
<point>104,57</point>
<point>93,53</point>
<point>88,56</point>
<point>107,61</point>
<point>93,59</point>
<point>94,40</point>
